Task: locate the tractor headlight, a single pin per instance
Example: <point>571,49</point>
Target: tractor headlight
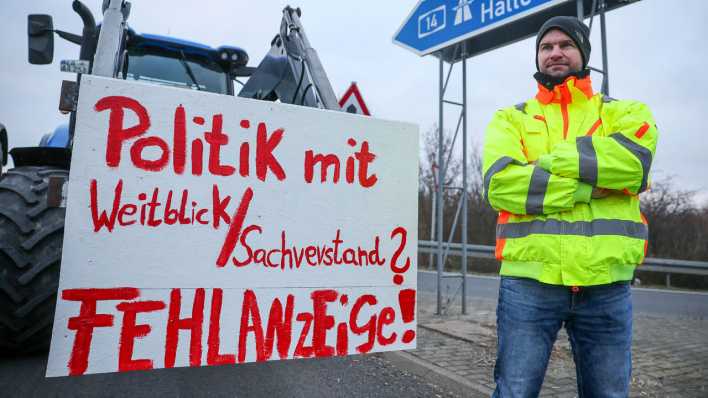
<point>232,57</point>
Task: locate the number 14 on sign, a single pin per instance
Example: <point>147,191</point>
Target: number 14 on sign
<point>432,21</point>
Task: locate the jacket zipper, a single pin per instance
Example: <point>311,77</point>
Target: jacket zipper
<point>564,113</point>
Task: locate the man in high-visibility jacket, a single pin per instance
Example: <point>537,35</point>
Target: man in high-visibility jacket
<point>564,170</point>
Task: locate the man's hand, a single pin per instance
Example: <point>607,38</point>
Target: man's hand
<point>599,193</point>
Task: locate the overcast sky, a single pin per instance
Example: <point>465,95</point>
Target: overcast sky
<point>657,54</point>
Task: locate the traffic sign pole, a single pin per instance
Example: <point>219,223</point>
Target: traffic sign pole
<point>441,180</point>
<point>603,38</point>
<point>464,180</point>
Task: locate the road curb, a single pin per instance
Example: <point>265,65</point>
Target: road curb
<point>446,333</point>
<point>423,368</point>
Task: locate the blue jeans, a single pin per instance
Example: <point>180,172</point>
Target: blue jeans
<point>598,320</point>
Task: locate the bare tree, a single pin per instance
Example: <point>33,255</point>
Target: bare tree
<point>678,227</point>
<point>429,172</point>
<point>482,218</point>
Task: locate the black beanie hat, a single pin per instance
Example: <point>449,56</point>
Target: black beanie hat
<point>574,28</point>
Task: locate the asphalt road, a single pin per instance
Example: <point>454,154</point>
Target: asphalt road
<point>658,302</point>
<point>354,376</point>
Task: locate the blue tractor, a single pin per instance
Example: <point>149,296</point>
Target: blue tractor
<point>32,192</point>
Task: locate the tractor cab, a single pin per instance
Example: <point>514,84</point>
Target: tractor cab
<point>168,61</point>
<point>290,72</point>
<point>180,63</point>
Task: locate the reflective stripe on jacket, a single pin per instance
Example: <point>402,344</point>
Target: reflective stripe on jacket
<point>540,162</point>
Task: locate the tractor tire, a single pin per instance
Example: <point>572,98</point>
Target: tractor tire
<point>31,235</point>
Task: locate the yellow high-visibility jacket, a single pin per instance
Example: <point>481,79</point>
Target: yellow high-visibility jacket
<point>541,160</point>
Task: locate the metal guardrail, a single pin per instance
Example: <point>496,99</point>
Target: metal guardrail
<point>650,264</point>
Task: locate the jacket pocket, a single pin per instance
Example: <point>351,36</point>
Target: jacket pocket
<point>535,138</point>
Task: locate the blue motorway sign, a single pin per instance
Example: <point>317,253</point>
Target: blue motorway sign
<point>436,24</point>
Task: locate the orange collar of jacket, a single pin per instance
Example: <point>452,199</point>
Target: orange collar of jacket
<point>564,93</point>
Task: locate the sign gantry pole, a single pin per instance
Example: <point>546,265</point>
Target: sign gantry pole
<point>602,6</point>
<point>464,178</point>
<point>579,5</point>
<point>603,38</point>
<point>439,202</point>
<point>441,180</point>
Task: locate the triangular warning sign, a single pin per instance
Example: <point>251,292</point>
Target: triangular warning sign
<point>352,102</point>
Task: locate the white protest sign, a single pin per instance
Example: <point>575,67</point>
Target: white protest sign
<point>204,229</point>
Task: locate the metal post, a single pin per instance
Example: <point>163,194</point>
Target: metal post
<point>105,61</point>
<point>318,74</point>
<point>441,179</point>
<point>432,220</point>
<point>603,38</point>
<point>579,4</point>
<point>464,179</point>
